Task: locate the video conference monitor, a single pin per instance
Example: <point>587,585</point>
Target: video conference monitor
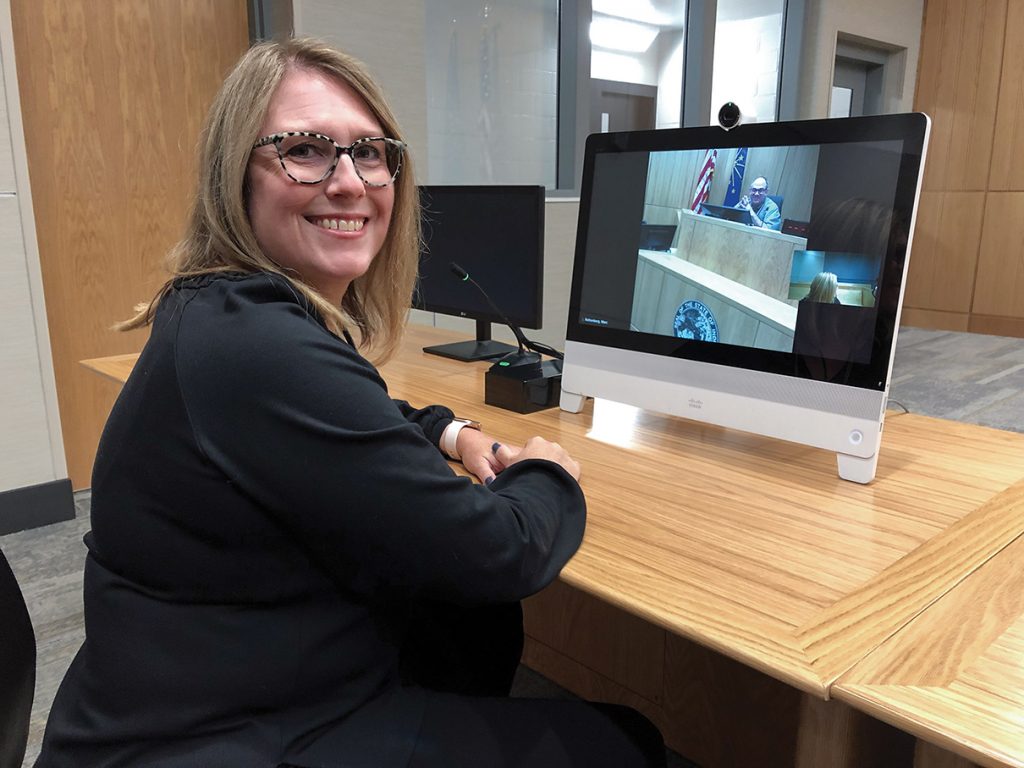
<point>496,234</point>
<point>789,334</point>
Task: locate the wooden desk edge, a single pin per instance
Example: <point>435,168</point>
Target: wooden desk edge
<point>115,367</point>
<point>976,753</point>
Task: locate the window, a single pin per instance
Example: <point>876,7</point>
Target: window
<point>513,87</point>
<point>748,58</point>
<point>492,91</point>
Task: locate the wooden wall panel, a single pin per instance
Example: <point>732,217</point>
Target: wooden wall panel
<point>997,326</point>
<point>1007,170</point>
<point>945,251</point>
<point>1000,282</point>
<point>971,80</point>
<point>958,86</point>
<point>940,321</point>
<point>113,93</point>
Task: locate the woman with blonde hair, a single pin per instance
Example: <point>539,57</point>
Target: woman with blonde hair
<point>823,288</point>
<point>283,570</point>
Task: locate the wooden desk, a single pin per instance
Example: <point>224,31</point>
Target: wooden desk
<point>700,538</point>
<point>115,367</point>
<point>955,674</point>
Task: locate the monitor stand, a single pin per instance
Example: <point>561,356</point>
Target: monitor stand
<point>481,348</point>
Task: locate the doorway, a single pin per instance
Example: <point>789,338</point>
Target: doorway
<point>867,77</point>
<point>617,106</point>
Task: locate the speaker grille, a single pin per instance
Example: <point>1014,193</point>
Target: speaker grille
<point>787,390</point>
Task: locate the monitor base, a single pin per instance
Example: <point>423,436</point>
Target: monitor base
<point>857,469</point>
<point>468,351</point>
<point>572,402</point>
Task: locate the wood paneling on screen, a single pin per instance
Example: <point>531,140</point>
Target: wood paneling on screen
<point>113,94</point>
<point>967,270</point>
<point>674,175</point>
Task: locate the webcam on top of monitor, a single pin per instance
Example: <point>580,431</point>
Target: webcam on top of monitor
<point>729,116</point>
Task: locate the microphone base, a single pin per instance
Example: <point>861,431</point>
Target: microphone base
<point>468,351</point>
<point>531,386</point>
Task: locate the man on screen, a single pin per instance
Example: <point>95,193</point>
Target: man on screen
<point>764,213</point>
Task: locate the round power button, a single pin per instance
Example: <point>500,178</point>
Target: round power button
<point>856,437</point>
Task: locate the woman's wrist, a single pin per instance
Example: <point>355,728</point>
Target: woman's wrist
<point>450,436</point>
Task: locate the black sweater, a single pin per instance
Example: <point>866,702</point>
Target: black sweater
<point>262,514</point>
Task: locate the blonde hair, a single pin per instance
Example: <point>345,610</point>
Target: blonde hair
<point>823,287</point>
<point>219,236</point>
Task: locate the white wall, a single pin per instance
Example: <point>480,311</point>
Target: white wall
<point>671,48</point>
<point>31,447</point>
<point>640,68</point>
<point>896,23</point>
<point>749,79</point>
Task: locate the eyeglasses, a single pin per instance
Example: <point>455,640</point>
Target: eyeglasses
<point>309,158</point>
<point>758,190</point>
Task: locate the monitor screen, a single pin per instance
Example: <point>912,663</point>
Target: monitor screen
<point>737,289</point>
<point>775,308</point>
<point>495,233</point>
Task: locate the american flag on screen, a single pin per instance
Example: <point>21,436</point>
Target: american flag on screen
<point>707,172</point>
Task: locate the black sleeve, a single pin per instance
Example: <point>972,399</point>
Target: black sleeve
<point>432,419</point>
<point>304,426</point>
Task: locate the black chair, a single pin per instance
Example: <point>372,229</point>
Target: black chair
<point>17,669</point>
<point>777,199</point>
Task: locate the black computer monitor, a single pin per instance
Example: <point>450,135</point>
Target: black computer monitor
<point>727,212</point>
<point>496,234</point>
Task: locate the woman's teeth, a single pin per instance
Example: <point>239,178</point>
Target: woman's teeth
<point>345,225</point>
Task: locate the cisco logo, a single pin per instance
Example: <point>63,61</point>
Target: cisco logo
<point>695,403</point>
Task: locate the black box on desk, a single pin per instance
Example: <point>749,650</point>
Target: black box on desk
<point>524,388</point>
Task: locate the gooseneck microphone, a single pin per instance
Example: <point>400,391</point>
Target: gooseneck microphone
<point>520,381</point>
<point>463,275</point>
<point>523,356</point>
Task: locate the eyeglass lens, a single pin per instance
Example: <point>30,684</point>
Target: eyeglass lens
<point>309,159</point>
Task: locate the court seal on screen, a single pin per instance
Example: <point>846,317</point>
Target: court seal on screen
<point>694,320</point>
